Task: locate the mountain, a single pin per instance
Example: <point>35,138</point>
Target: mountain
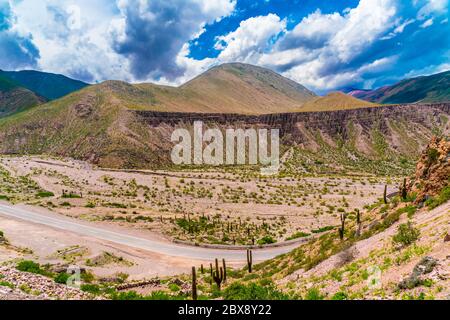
<point>229,88</point>
<point>335,101</point>
<point>243,88</point>
<point>14,98</point>
<point>425,89</point>
<point>48,85</point>
<point>120,125</point>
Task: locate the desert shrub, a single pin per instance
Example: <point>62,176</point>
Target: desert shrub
<point>298,235</point>
<point>443,197</point>
<point>70,196</point>
<point>253,291</point>
<point>32,267</point>
<point>62,278</point>
<point>266,240</point>
<point>132,295</point>
<point>406,234</point>
<point>174,287</point>
<point>433,155</point>
<point>6,284</point>
<point>87,277</point>
<point>324,229</point>
<point>347,256</point>
<point>90,288</point>
<point>90,205</point>
<point>45,194</point>
<point>314,294</point>
<point>410,210</point>
<point>339,296</point>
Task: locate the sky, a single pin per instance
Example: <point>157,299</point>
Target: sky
<point>322,44</point>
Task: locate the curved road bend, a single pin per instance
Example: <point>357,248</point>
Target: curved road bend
<point>156,246</point>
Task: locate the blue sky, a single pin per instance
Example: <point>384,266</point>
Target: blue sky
<point>324,45</point>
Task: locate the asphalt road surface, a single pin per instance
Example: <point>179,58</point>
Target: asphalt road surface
<point>157,246</point>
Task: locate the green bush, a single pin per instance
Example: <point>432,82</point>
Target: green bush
<point>406,234</point>
<point>173,287</point>
<point>90,288</point>
<point>433,155</point>
<point>443,197</point>
<point>32,267</point>
<point>410,210</point>
<point>314,294</point>
<point>6,284</point>
<point>339,296</point>
<point>298,235</point>
<point>253,291</point>
<point>62,278</point>
<point>45,194</point>
<point>266,240</point>
<point>324,229</point>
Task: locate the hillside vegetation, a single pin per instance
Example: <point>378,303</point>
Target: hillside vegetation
<point>14,98</point>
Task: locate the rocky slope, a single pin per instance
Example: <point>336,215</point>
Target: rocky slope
<point>394,250</point>
<point>433,170</point>
<point>17,285</point>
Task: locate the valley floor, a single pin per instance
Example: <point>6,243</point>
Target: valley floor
<point>121,226</point>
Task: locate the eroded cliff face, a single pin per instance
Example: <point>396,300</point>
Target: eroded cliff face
<point>104,132</point>
<point>384,132</point>
<point>432,171</point>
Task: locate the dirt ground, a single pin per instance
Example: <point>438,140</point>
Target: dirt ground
<point>173,204</point>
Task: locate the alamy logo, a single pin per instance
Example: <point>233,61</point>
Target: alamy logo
<point>234,143</point>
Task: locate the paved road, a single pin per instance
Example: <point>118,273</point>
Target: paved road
<point>157,246</point>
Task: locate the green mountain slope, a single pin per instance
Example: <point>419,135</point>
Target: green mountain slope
<point>14,98</point>
<point>48,85</point>
<point>426,89</point>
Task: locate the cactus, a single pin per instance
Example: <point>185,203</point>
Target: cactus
<point>194,284</point>
<point>403,190</point>
<point>218,275</point>
<point>358,223</point>
<point>249,260</point>
<point>210,273</point>
<point>385,194</point>
<point>224,271</point>
<point>342,228</point>
<point>201,269</point>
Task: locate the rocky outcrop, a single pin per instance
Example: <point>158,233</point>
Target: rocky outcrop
<point>29,286</point>
<point>433,170</point>
<point>418,275</point>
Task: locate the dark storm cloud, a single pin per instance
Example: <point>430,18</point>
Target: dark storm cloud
<point>154,34</point>
<point>16,51</point>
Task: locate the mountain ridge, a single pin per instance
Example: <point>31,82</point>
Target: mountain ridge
<point>14,98</point>
<point>48,85</point>
<point>423,89</point>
